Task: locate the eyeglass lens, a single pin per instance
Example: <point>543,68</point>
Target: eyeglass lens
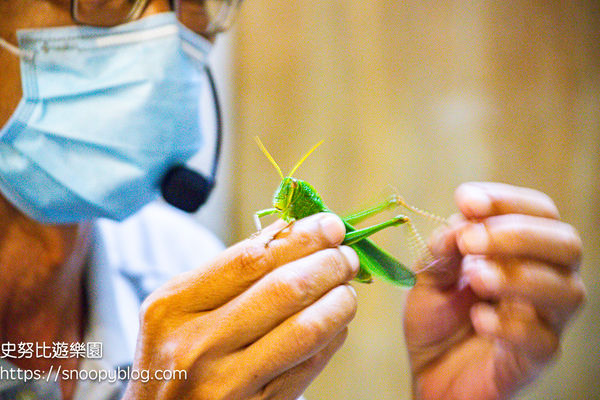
<point>201,16</point>
<point>106,12</point>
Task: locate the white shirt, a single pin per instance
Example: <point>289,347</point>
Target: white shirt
<point>128,261</point>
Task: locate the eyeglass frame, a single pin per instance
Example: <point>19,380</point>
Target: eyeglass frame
<point>136,11</point>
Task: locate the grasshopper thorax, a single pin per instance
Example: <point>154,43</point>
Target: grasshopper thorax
<point>295,199</point>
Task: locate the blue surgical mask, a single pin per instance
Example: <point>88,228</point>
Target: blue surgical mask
<point>105,113</point>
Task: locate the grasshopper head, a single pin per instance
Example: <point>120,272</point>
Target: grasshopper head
<point>284,193</point>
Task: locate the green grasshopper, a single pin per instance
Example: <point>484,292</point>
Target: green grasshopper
<point>295,199</point>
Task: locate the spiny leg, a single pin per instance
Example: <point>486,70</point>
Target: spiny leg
<point>363,233</point>
<point>369,212</point>
<point>419,249</point>
<point>417,245</point>
<point>399,201</point>
<point>392,201</point>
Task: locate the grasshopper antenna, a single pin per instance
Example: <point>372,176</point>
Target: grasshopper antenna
<point>269,157</point>
<point>299,163</point>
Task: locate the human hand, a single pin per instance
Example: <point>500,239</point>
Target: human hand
<point>488,314</point>
<point>260,321</point>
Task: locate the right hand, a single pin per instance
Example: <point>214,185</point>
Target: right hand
<point>260,321</point>
<point>488,316</point>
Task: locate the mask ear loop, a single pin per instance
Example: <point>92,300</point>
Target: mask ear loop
<point>26,54</point>
<point>187,189</point>
<point>218,123</point>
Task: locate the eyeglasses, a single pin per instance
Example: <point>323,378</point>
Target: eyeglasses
<point>201,16</point>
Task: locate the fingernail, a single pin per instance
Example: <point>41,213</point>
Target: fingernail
<point>476,200</point>
<point>486,318</point>
<point>352,258</point>
<point>489,276</point>
<point>352,289</point>
<point>462,282</point>
<point>485,271</point>
<point>332,228</point>
<point>474,238</point>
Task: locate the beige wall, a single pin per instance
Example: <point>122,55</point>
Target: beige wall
<point>423,95</point>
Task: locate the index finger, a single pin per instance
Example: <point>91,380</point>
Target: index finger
<point>485,199</point>
<point>239,266</point>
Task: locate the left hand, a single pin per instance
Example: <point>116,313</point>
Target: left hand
<point>257,322</point>
<point>488,315</point>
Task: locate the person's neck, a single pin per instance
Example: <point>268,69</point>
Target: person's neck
<point>41,288</point>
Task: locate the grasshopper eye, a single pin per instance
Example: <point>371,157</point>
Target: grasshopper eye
<point>290,194</point>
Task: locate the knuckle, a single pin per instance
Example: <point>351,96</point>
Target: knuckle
<point>154,309</point>
<point>312,331</point>
<point>323,325</point>
<point>518,331</point>
<point>255,260</point>
<point>208,339</point>
<point>213,378</point>
<point>291,284</point>
<point>348,303</point>
<point>180,355</point>
<point>526,276</point>
<point>337,264</point>
<point>305,238</point>
<point>332,257</point>
<point>343,263</point>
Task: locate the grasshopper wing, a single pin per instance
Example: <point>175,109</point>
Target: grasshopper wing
<point>381,263</point>
<point>377,261</point>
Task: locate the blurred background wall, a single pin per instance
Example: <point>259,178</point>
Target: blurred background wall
<point>420,95</point>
